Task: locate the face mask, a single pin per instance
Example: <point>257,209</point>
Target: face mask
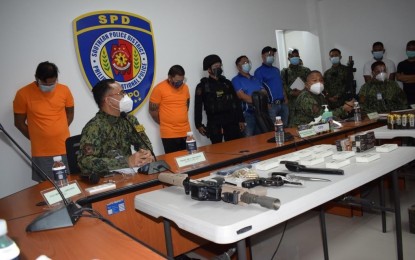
<point>410,54</point>
<point>46,88</point>
<point>246,67</point>
<point>295,60</point>
<point>269,60</point>
<point>126,104</point>
<point>317,88</point>
<point>177,84</point>
<point>378,55</point>
<point>217,72</point>
<point>381,76</point>
<point>335,60</point>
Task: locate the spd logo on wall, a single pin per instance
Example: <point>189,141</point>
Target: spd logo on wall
<point>117,45</point>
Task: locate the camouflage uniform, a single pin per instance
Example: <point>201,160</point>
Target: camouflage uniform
<point>382,97</point>
<point>335,84</point>
<point>288,76</point>
<point>104,135</point>
<point>305,102</point>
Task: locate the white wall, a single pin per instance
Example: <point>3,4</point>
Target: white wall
<point>308,46</point>
<point>354,25</point>
<point>185,31</point>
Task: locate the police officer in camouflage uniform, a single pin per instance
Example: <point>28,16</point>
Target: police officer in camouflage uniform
<point>335,80</point>
<point>381,94</point>
<point>309,103</point>
<point>289,75</point>
<point>218,98</point>
<point>107,138</point>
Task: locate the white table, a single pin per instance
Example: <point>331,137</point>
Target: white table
<point>225,223</point>
<point>384,133</point>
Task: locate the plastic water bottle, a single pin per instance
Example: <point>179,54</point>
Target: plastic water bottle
<point>357,112</point>
<point>59,172</point>
<point>191,146</point>
<point>8,248</point>
<point>279,131</point>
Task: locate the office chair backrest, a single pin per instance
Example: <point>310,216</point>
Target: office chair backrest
<point>260,103</point>
<point>72,151</point>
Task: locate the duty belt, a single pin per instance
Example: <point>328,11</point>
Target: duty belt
<point>278,101</point>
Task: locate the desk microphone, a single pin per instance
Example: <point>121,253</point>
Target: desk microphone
<point>64,215</point>
<point>153,167</point>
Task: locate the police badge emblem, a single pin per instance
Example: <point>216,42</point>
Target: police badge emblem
<point>117,45</point>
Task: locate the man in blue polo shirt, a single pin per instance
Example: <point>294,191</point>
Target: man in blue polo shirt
<point>270,77</point>
<point>245,84</point>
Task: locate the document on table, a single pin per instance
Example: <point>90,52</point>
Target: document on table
<point>297,84</point>
<point>132,170</point>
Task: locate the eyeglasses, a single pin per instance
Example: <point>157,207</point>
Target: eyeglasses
<point>121,94</point>
<point>47,84</point>
<point>245,62</point>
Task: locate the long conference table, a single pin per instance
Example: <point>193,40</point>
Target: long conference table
<point>226,223</point>
<point>118,205</point>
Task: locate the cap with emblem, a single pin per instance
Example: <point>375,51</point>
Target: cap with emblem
<point>210,60</point>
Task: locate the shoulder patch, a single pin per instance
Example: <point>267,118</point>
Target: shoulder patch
<point>88,149</point>
<point>140,128</point>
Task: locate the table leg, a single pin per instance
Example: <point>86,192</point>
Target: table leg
<point>324,233</point>
<point>382,202</point>
<point>398,223</point>
<point>167,236</point>
<point>241,248</point>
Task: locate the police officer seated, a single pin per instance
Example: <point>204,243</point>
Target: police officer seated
<point>107,138</point>
<point>380,94</point>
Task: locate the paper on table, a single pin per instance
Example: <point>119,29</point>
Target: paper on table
<point>126,170</point>
<point>297,84</point>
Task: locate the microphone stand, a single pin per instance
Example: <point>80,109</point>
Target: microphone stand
<point>153,167</point>
<point>62,216</point>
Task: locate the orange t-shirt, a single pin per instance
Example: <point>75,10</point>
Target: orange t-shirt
<point>46,117</point>
<point>173,111</point>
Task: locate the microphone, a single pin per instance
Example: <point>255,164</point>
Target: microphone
<point>92,178</point>
<point>64,215</point>
<point>153,167</point>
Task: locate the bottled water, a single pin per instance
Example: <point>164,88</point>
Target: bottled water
<point>59,172</point>
<point>279,131</point>
<point>357,112</point>
<point>191,146</point>
<point>8,248</point>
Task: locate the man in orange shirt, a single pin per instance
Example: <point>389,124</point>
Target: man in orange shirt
<point>169,106</point>
<point>43,111</point>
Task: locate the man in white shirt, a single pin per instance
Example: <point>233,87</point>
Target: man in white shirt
<point>378,52</point>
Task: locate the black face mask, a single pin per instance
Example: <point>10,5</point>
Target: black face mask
<point>217,72</point>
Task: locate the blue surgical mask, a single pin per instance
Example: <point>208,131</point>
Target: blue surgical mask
<point>46,88</point>
<point>410,54</point>
<point>269,60</point>
<point>295,60</point>
<point>335,60</point>
<point>246,67</point>
<point>378,55</point>
<point>177,84</point>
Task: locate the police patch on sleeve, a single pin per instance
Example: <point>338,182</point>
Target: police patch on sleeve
<point>88,149</point>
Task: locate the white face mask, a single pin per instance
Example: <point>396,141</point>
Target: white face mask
<point>125,104</point>
<point>381,76</point>
<point>317,88</point>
